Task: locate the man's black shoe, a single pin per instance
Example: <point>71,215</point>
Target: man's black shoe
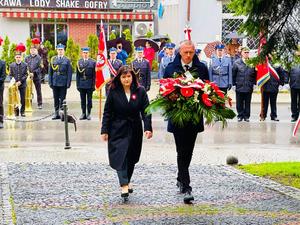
<point>275,119</point>
<point>293,120</point>
<point>56,117</point>
<point>188,197</point>
<point>240,119</point>
<point>180,186</point>
<point>23,114</point>
<point>1,125</point>
<point>82,117</point>
<point>88,117</point>
<point>247,120</point>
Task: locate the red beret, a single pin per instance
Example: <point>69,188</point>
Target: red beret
<point>21,48</point>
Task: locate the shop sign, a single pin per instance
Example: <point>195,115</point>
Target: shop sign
<point>80,4</point>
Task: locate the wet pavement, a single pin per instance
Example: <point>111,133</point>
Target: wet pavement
<point>42,183</point>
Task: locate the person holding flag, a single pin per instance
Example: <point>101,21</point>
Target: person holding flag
<point>270,91</point>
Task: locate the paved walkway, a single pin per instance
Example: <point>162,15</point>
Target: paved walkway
<point>76,194</point>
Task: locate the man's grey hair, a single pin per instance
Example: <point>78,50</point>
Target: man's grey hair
<point>186,43</point>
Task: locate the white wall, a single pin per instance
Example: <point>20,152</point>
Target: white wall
<point>17,30</point>
<point>205,20</point>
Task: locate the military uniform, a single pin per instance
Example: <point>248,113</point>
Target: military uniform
<point>2,78</point>
<point>34,63</point>
<point>220,72</point>
<point>141,68</point>
<point>294,80</point>
<point>60,76</point>
<point>85,81</point>
<point>19,72</point>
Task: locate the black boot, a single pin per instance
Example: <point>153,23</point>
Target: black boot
<point>82,117</point>
<point>88,117</point>
<point>56,116</point>
<point>17,111</point>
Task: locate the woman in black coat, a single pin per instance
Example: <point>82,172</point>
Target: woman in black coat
<point>122,125</point>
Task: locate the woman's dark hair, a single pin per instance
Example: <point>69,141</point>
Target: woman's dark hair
<point>116,82</point>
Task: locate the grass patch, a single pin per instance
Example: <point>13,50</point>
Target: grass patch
<point>287,173</point>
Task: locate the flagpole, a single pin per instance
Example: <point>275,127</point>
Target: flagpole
<point>100,103</point>
<point>262,109</point>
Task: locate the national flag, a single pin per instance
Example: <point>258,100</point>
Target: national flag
<point>161,9</point>
<point>263,74</point>
<point>273,72</point>
<point>296,127</point>
<point>102,68</point>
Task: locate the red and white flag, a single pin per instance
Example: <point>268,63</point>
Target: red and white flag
<point>102,68</point>
<point>187,33</point>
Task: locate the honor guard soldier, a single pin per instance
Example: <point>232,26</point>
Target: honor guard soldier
<point>85,81</point>
<point>60,76</point>
<point>165,60</point>
<point>35,64</point>
<point>220,69</point>
<point>141,68</point>
<point>116,64</point>
<point>19,71</point>
<point>2,78</point>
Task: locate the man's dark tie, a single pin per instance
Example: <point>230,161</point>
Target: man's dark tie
<point>187,67</point>
<point>220,59</point>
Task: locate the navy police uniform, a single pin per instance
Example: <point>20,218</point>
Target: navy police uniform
<point>34,63</point>
<point>294,81</point>
<point>85,81</point>
<point>60,76</point>
<point>165,60</point>
<point>141,68</point>
<point>2,78</point>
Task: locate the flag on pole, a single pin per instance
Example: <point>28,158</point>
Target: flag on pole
<point>161,9</point>
<point>273,72</point>
<point>187,33</point>
<point>263,74</point>
<point>102,68</point>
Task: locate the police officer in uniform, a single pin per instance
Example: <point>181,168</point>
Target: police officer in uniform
<point>165,60</point>
<point>60,76</point>
<point>244,78</point>
<point>220,69</point>
<point>294,80</point>
<point>141,68</point>
<point>85,81</point>
<point>34,63</point>
<point>2,78</point>
<point>19,71</point>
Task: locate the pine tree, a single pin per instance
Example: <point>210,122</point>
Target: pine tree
<point>277,20</point>
<point>28,45</point>
<point>51,52</point>
<point>93,45</point>
<point>5,50</point>
<point>112,36</point>
<point>72,52</point>
<point>12,52</point>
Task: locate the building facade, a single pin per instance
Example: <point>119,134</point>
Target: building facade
<point>58,20</point>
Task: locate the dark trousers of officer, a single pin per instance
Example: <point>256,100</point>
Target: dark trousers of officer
<point>243,104</point>
<point>86,100</point>
<point>1,105</point>
<point>126,172</point>
<point>272,98</point>
<point>22,92</point>
<point>295,102</point>
<point>37,84</point>
<point>59,94</point>
<point>185,142</point>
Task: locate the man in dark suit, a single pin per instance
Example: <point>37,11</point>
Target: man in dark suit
<point>2,78</point>
<point>60,76</point>
<point>185,137</point>
<point>85,81</point>
<point>141,68</point>
<point>18,70</point>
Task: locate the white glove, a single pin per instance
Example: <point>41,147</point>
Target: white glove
<point>233,87</point>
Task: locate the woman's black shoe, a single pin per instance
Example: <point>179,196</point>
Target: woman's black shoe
<point>130,190</point>
<point>188,197</point>
<point>125,196</point>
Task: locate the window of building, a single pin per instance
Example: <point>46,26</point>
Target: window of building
<point>49,31</point>
<point>115,26</point>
